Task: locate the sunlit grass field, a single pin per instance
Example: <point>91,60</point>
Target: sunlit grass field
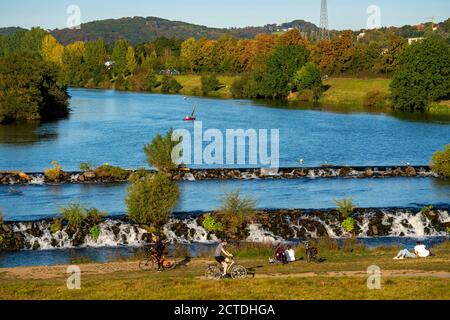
<point>342,276</point>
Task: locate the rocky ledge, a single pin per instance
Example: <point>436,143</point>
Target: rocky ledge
<point>10,178</point>
<point>266,226</point>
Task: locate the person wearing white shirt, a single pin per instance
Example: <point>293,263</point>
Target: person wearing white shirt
<point>290,254</point>
<point>420,251</point>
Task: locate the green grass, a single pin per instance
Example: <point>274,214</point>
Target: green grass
<point>352,90</point>
<point>294,281</point>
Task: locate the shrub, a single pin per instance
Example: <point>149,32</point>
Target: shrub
<point>1,217</point>
<point>95,232</point>
<point>54,173</point>
<point>95,216</point>
<point>56,225</point>
<point>137,175</point>
<point>84,166</point>
<point>345,207</point>
<point>349,225</point>
<point>170,85</point>
<point>211,224</point>
<point>159,152</point>
<point>440,163</point>
<point>235,212</point>
<point>74,214</point>
<point>107,171</point>
<point>375,99</point>
<point>448,230</point>
<point>151,200</point>
<point>209,83</point>
<point>426,210</point>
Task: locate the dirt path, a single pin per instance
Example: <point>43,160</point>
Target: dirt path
<point>55,272</point>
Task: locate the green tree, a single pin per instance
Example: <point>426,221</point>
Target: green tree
<point>209,83</point>
<point>150,200</point>
<point>30,89</point>
<point>151,79</point>
<point>440,163</point>
<point>423,75</point>
<point>131,60</point>
<point>119,57</point>
<point>280,69</point>
<point>170,85</point>
<point>309,77</point>
<point>159,152</point>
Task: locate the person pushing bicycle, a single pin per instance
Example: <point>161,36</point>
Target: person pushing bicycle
<point>223,256</point>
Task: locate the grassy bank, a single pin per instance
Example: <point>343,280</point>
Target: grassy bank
<point>352,90</point>
<point>342,276</point>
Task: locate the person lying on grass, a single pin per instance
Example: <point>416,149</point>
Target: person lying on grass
<point>420,251</point>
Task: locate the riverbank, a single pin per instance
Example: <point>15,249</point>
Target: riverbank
<point>343,275</point>
<point>341,91</point>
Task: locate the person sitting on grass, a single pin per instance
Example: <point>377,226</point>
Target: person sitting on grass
<point>280,253</point>
<point>420,251</point>
<point>290,254</point>
<point>222,256</point>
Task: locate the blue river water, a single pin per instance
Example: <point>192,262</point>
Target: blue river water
<point>37,202</point>
<point>110,126</point>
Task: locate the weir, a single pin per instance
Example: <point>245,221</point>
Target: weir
<point>269,226</point>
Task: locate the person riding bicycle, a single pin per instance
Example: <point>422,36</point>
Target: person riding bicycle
<point>159,248</point>
<point>222,256</point>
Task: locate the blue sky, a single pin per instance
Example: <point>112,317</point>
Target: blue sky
<point>343,14</point>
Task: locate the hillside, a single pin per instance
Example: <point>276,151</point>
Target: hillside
<point>10,31</point>
<point>139,29</point>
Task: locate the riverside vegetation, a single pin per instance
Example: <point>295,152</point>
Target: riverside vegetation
<point>270,66</point>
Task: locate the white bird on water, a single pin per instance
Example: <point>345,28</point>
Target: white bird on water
<point>302,161</point>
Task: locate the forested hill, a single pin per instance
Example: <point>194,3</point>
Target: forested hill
<point>139,30</point>
<point>10,31</point>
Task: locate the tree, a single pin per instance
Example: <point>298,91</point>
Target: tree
<point>389,60</point>
<point>72,64</point>
<point>309,77</point>
<point>280,69</point>
<point>30,89</point>
<point>119,57</point>
<point>209,83</point>
<point>159,152</point>
<point>150,200</point>
<point>151,79</point>
<point>440,163</point>
<point>189,54</point>
<point>131,60</point>
<point>170,85</point>
<point>51,50</point>
<point>423,75</point>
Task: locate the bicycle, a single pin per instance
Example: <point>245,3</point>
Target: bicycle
<point>150,262</point>
<point>312,253</point>
<point>215,271</point>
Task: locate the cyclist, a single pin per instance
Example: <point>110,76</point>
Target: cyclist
<point>222,256</point>
<point>159,251</point>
